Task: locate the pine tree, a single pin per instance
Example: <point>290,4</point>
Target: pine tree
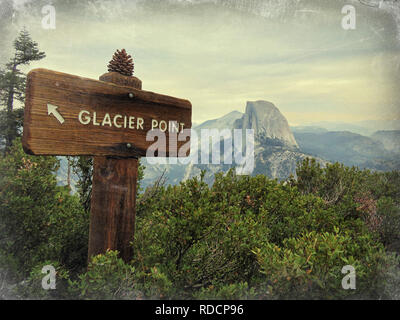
<point>12,86</point>
<point>121,63</point>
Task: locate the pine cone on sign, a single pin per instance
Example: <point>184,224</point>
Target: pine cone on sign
<point>121,63</point>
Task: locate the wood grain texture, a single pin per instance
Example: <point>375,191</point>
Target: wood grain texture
<point>112,216</point>
<point>44,135</point>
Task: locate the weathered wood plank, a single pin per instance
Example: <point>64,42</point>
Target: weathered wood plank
<point>113,206</point>
<point>107,105</point>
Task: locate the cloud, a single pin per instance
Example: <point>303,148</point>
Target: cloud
<point>219,58</point>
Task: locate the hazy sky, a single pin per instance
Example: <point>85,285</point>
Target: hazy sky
<point>220,54</point>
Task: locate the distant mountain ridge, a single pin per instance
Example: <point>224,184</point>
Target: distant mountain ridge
<point>276,150</point>
<point>279,147</point>
<point>365,127</point>
<point>389,138</point>
<point>221,123</point>
<point>342,146</point>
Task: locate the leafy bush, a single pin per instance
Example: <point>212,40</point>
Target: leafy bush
<point>241,238</point>
<point>236,291</point>
<point>31,287</point>
<point>389,223</point>
<point>39,220</point>
<point>309,266</point>
<point>355,193</point>
<point>109,277</point>
<point>253,231</point>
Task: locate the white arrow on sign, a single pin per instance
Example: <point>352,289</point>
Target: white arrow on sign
<point>52,109</point>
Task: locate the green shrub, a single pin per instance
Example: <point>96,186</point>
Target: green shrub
<point>39,220</point>
<point>354,193</point>
<point>236,291</point>
<point>241,238</point>
<point>309,266</point>
<point>203,240</point>
<point>107,277</point>
<point>389,223</point>
<point>31,287</point>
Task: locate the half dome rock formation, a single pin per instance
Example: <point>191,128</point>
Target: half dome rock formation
<point>270,126</point>
<point>276,152</point>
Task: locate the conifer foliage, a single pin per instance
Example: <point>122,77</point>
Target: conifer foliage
<point>12,86</point>
<point>121,63</point>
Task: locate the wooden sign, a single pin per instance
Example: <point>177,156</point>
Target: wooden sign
<point>71,115</point>
<point>110,120</point>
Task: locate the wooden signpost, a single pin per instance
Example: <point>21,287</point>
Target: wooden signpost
<point>107,119</point>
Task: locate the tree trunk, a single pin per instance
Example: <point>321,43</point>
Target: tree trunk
<point>10,136</point>
<point>69,173</point>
